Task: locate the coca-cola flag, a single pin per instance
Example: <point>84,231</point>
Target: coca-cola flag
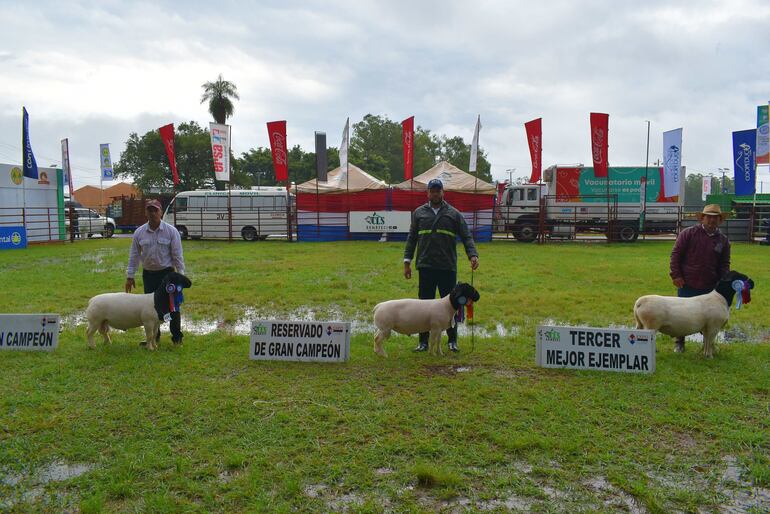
<point>599,127</point>
<point>407,136</point>
<point>167,136</point>
<point>534,139</point>
<point>277,132</point>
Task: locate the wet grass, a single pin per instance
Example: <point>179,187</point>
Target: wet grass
<point>202,428</point>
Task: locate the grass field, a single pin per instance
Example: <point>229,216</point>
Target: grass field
<point>200,428</point>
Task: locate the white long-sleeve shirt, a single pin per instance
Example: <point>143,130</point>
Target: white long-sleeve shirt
<point>156,249</point>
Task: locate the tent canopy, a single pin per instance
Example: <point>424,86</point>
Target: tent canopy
<point>357,180</point>
<point>454,179</point>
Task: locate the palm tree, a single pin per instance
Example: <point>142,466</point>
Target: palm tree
<point>218,95</point>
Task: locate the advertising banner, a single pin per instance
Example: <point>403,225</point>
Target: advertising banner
<point>475,147</point>
<point>407,137</point>
<point>744,157</point>
<point>167,136</point>
<point>672,162</point>
<point>599,144</point>
<point>276,131</point>
<point>534,130</point>
<point>220,150</point>
<point>105,162</point>
<point>321,158</point>
<point>28,157</point>
<point>65,163</point>
<point>706,187</point>
<point>380,221</point>
<point>582,185</point>
<point>763,133</point>
<point>13,237</point>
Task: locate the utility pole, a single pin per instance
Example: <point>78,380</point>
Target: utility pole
<point>724,185</point>
<point>510,174</point>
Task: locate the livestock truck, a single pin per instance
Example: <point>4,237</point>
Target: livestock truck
<point>571,199</point>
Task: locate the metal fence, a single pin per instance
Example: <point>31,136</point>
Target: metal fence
<point>41,223</point>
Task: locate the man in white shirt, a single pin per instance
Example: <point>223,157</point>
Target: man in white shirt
<point>158,246</point>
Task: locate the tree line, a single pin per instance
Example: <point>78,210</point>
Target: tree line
<point>375,147</point>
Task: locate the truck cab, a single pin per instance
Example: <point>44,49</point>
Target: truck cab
<point>520,208</point>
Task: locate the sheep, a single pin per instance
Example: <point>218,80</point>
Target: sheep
<point>680,317</point>
<point>410,316</point>
<point>125,310</point>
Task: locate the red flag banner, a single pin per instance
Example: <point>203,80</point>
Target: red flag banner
<point>277,132</point>
<point>407,136</point>
<point>167,136</point>
<point>599,127</point>
<point>535,140</point>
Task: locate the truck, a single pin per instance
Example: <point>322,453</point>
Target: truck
<point>571,199</point>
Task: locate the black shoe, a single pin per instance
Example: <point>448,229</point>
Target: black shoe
<point>453,346</point>
<point>177,340</point>
<point>422,347</point>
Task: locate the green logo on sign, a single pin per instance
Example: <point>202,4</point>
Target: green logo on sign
<point>375,219</point>
<point>552,336</point>
<point>16,238</point>
<point>259,330</point>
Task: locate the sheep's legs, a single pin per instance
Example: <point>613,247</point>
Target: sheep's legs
<point>434,343</point>
<point>379,337</point>
<point>150,333</point>
<point>104,330</point>
<point>708,344</point>
<point>90,334</point>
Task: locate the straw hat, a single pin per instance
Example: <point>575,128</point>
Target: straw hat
<point>712,209</point>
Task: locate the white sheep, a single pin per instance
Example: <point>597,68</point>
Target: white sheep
<point>680,317</point>
<point>410,316</point>
<point>123,311</point>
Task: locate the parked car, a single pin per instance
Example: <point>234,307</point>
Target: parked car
<point>90,222</point>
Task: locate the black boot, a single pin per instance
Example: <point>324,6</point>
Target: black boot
<point>453,346</point>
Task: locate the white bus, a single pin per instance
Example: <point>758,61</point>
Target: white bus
<point>256,213</point>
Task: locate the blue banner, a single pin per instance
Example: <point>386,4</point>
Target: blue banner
<point>744,156</point>
<point>12,238</point>
<point>29,163</point>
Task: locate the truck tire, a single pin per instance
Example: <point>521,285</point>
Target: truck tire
<point>525,231</point>
<point>626,232</point>
<point>249,234</point>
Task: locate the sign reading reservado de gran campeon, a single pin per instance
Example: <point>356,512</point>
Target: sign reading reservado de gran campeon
<point>312,341</point>
<point>602,349</point>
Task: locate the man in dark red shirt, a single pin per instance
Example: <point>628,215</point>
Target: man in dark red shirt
<point>701,256</point>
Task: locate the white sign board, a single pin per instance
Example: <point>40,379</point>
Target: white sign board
<point>309,341</point>
<point>602,349</point>
<point>380,221</point>
<point>34,332</point>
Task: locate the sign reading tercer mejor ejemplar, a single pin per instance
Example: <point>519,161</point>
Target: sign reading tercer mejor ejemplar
<point>35,332</point>
<point>316,341</point>
<point>603,349</point>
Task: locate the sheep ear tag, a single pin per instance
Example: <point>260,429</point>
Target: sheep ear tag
<point>462,300</point>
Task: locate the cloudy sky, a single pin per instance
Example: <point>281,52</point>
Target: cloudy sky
<point>95,72</point>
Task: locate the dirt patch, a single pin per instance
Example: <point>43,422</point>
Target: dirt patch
<point>444,370</point>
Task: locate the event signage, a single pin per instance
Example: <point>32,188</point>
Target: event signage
<point>276,130</point>
<point>672,162</point>
<point>344,145</point>
<point>744,154</point>
<point>167,136</point>
<point>380,221</point>
<point>12,238</point>
<point>599,144</point>
<point>763,135</point>
<point>706,187</point>
<point>32,332</point>
<point>106,162</point>
<point>220,150</point>
<point>407,138</point>
<point>600,349</point>
<point>534,130</point>
<point>29,162</point>
<point>320,156</point>
<point>65,163</point>
<point>307,341</point>
<point>475,147</point>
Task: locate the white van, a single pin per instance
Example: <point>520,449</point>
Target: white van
<point>256,213</point>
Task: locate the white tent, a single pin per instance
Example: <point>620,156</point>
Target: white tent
<point>357,180</point>
<point>453,178</point>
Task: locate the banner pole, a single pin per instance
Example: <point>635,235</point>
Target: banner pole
<point>644,192</point>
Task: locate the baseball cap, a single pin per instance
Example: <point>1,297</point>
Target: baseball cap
<point>435,183</point>
<point>153,203</point>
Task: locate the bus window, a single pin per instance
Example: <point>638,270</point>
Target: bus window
<point>216,202</point>
<point>241,203</point>
<point>180,204</point>
<point>197,202</point>
<point>263,202</point>
<point>531,194</point>
<point>280,202</point>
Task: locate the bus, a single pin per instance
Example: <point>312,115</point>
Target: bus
<point>254,215</point>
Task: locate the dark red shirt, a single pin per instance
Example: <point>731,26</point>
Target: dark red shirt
<point>700,258</point>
